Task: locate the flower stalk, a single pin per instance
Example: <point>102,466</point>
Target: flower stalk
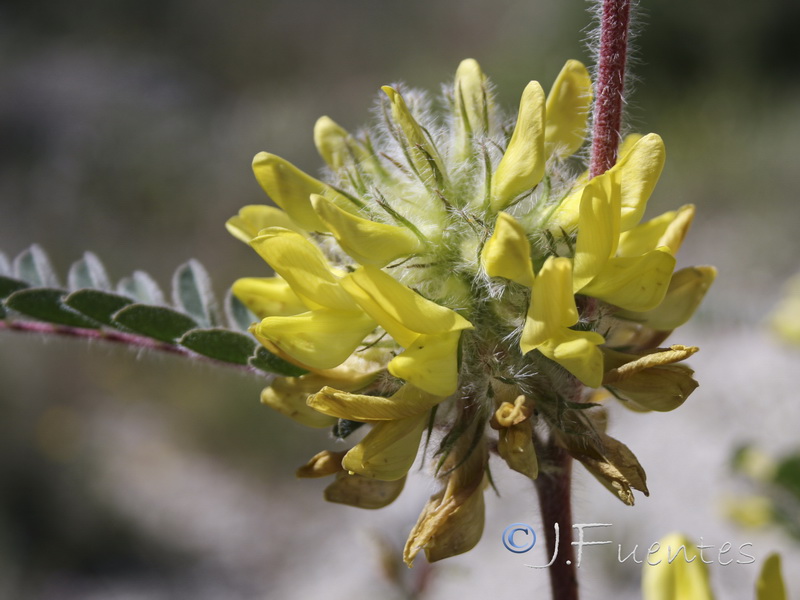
<point>610,84</point>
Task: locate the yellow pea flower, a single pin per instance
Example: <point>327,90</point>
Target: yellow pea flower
<point>267,296</point>
<point>471,98</point>
<point>567,110</point>
<point>508,253</point>
<point>551,313</point>
<point>368,242</point>
<point>522,165</point>
<point>447,272</point>
<point>255,217</point>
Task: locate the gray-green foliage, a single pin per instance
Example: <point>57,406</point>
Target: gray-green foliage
<point>136,306</point>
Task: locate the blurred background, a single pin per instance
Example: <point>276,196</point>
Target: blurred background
<point>127,128</point>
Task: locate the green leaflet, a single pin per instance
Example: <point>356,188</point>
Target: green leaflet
<point>221,344</point>
<point>97,305</point>
<point>45,304</point>
<point>157,322</point>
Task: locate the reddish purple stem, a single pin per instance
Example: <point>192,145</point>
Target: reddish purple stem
<point>128,339</point>
<point>610,85</point>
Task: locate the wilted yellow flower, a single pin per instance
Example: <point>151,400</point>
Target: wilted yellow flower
<point>443,273</point>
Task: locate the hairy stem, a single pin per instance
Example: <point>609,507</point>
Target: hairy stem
<point>118,337</point>
<point>610,84</point>
<point>553,487</point>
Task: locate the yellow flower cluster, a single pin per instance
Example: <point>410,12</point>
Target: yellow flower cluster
<point>461,259</point>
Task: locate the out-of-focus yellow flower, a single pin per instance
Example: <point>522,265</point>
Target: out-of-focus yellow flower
<point>770,582</point>
<point>668,574</point>
<point>785,319</point>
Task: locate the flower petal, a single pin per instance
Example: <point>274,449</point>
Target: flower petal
<point>304,268</point>
<point>515,446</point>
<point>686,291</point>
<point>255,217</point>
<point>321,338</point>
<point>471,106</point>
<point>508,253</point>
<point>388,450</point>
<point>578,353</point>
<point>423,156</point>
<point>522,165</point>
<point>567,110</point>
<point>331,141</point>
<point>637,172</point>
<point>290,188</point>
<point>651,381</point>
<point>268,296</point>
<point>552,306</point>
<point>406,402</point>
<point>451,522</point>
<point>770,584</point>
<point>368,242</point>
<point>678,579</point>
<point>430,363</point>
<point>667,229</point>
<point>288,395</point>
<point>322,464</point>
<point>598,231</point>
<point>636,283</point>
<point>363,492</point>
<point>403,313</point>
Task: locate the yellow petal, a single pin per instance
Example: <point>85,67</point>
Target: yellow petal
<point>421,152</point>
<point>288,395</point>
<point>679,579</point>
<point>598,231</point>
<point>677,229</point>
<point>388,450</point>
<point>255,217</point>
<point>331,142</point>
<point>645,236</point>
<point>566,214</point>
<point>578,353</point>
<point>637,283</point>
<point>552,305</point>
<point>637,173</point>
<point>471,106</point>
<point>290,188</point>
<point>362,492</point>
<point>368,242</point>
<point>567,110</point>
<point>522,165</point>
<point>322,464</point>
<point>686,291</point>
<point>628,142</point>
<point>304,268</point>
<point>508,253</point>
<point>321,338</point>
<point>430,363</point>
<point>406,402</point>
<point>403,313</point>
<point>267,296</point>
<point>770,582</point>
<point>667,229</point>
